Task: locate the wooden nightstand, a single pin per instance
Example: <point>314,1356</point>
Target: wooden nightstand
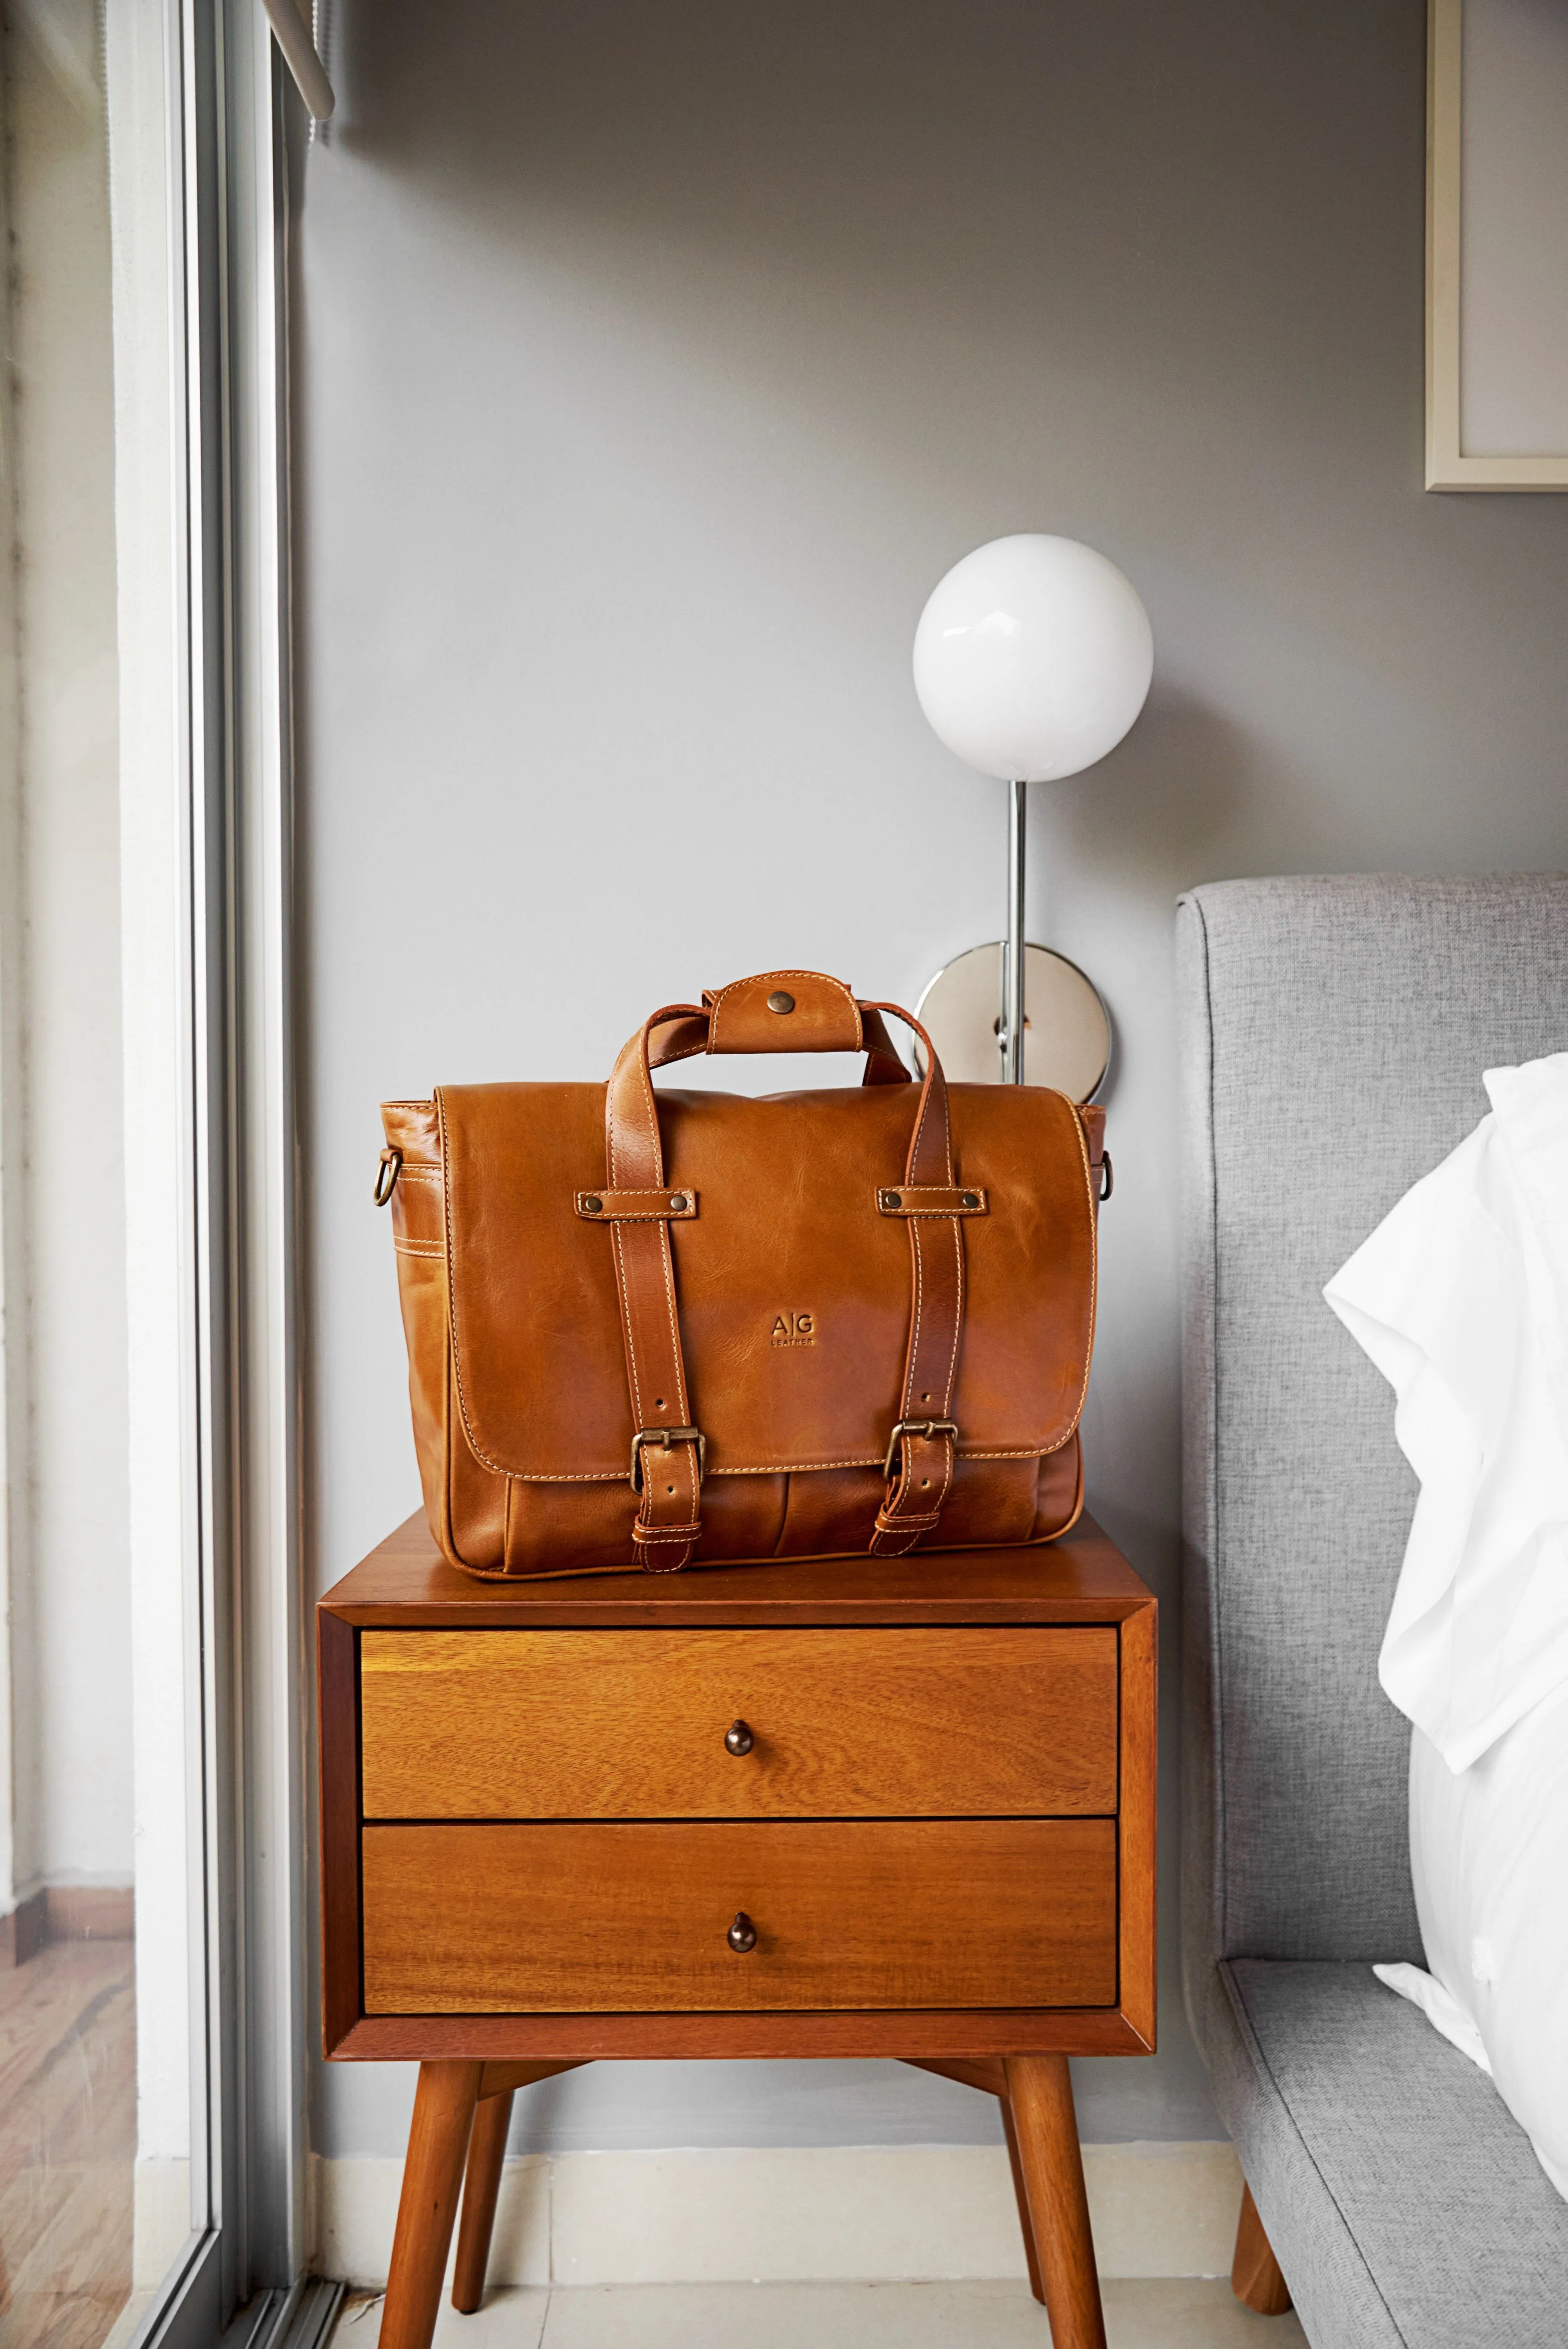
<point>856,1806</point>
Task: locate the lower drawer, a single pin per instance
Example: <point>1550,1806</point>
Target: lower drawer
<point>629,1918</point>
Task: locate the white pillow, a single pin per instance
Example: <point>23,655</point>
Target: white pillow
<point>1461,1298</point>
<point>1489,1851</point>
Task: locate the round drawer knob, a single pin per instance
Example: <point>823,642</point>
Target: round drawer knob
<point>738,1738</point>
<point>742,1934</point>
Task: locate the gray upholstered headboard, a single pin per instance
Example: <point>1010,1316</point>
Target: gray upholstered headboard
<point>1333,1033</point>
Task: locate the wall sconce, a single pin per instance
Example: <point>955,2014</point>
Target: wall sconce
<point>1032,659</point>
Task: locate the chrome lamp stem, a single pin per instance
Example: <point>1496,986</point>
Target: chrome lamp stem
<point>1012,1029</point>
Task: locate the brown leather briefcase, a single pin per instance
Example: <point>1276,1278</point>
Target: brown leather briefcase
<point>645,1330</point>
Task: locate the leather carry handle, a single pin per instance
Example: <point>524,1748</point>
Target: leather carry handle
<point>779,1011</point>
<point>758,1014</point>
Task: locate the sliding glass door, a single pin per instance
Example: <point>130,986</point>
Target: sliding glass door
<point>151,1968</point>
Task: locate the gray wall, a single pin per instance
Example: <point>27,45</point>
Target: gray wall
<point>652,364</point>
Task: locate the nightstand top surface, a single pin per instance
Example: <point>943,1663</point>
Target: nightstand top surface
<point>1082,1578</point>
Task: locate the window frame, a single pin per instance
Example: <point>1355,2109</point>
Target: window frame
<point>229,1095</point>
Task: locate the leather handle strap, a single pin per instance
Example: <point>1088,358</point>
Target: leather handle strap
<point>668,1523</point>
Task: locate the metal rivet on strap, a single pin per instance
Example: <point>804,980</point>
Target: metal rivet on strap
<point>781,1001</point>
<point>892,1199</point>
<point>593,1206</point>
<point>971,1199</point>
<point>678,1203</point>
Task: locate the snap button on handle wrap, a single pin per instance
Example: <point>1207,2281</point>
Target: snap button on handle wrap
<point>747,1015</point>
<point>742,1934</point>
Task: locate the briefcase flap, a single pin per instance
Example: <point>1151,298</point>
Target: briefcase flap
<point>792,1279</point>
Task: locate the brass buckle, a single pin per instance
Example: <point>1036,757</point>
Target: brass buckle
<point>916,1427</point>
<point>664,1437</point>
<point>387,1175</point>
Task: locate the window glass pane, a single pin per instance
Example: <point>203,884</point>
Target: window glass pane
<point>96,2067</point>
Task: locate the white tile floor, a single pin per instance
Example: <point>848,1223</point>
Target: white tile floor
<point>1182,2312</point>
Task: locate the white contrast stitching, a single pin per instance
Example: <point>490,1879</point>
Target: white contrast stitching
<point>913,1372</point>
<point>631,1337</point>
<point>773,1467</point>
<point>957,1323</point>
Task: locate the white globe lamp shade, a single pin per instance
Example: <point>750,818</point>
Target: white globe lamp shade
<point>1033,657</point>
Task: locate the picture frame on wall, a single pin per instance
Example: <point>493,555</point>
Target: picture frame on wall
<point>1497,245</point>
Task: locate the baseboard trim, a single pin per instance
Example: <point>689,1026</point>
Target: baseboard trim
<point>880,2214</point>
<point>67,1912</point>
<point>24,1931</point>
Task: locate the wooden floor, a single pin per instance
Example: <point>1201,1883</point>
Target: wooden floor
<point>68,2143</point>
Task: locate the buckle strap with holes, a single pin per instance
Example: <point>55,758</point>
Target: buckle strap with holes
<point>664,1437</point>
<point>918,1469</point>
<point>638,1207</point>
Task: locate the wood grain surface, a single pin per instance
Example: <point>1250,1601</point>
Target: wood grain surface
<point>896,2032</point>
<point>338,1696</point>
<point>444,2106</point>
<point>1082,1577</point>
<point>1045,2128</point>
<point>1256,2276</point>
<point>630,1724</point>
<point>1140,1736</point>
<point>68,2143</point>
<point>481,2187</point>
<point>575,1919</point>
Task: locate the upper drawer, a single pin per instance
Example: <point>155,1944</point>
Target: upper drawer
<point>632,1724</point>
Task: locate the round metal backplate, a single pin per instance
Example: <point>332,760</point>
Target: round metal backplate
<point>1067,1027</point>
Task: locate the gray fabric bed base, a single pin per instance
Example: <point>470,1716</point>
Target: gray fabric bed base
<point>1334,1032</point>
<point>1401,2196</point>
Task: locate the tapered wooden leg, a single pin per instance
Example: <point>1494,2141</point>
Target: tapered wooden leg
<point>1040,2093</point>
<point>432,2175</point>
<point>1256,2277</point>
<point>482,2183</point>
<point>1021,2190</point>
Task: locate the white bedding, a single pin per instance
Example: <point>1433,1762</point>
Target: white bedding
<point>1461,1298</point>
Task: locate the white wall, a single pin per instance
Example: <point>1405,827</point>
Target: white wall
<point>70,1622</point>
<point>652,364</point>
